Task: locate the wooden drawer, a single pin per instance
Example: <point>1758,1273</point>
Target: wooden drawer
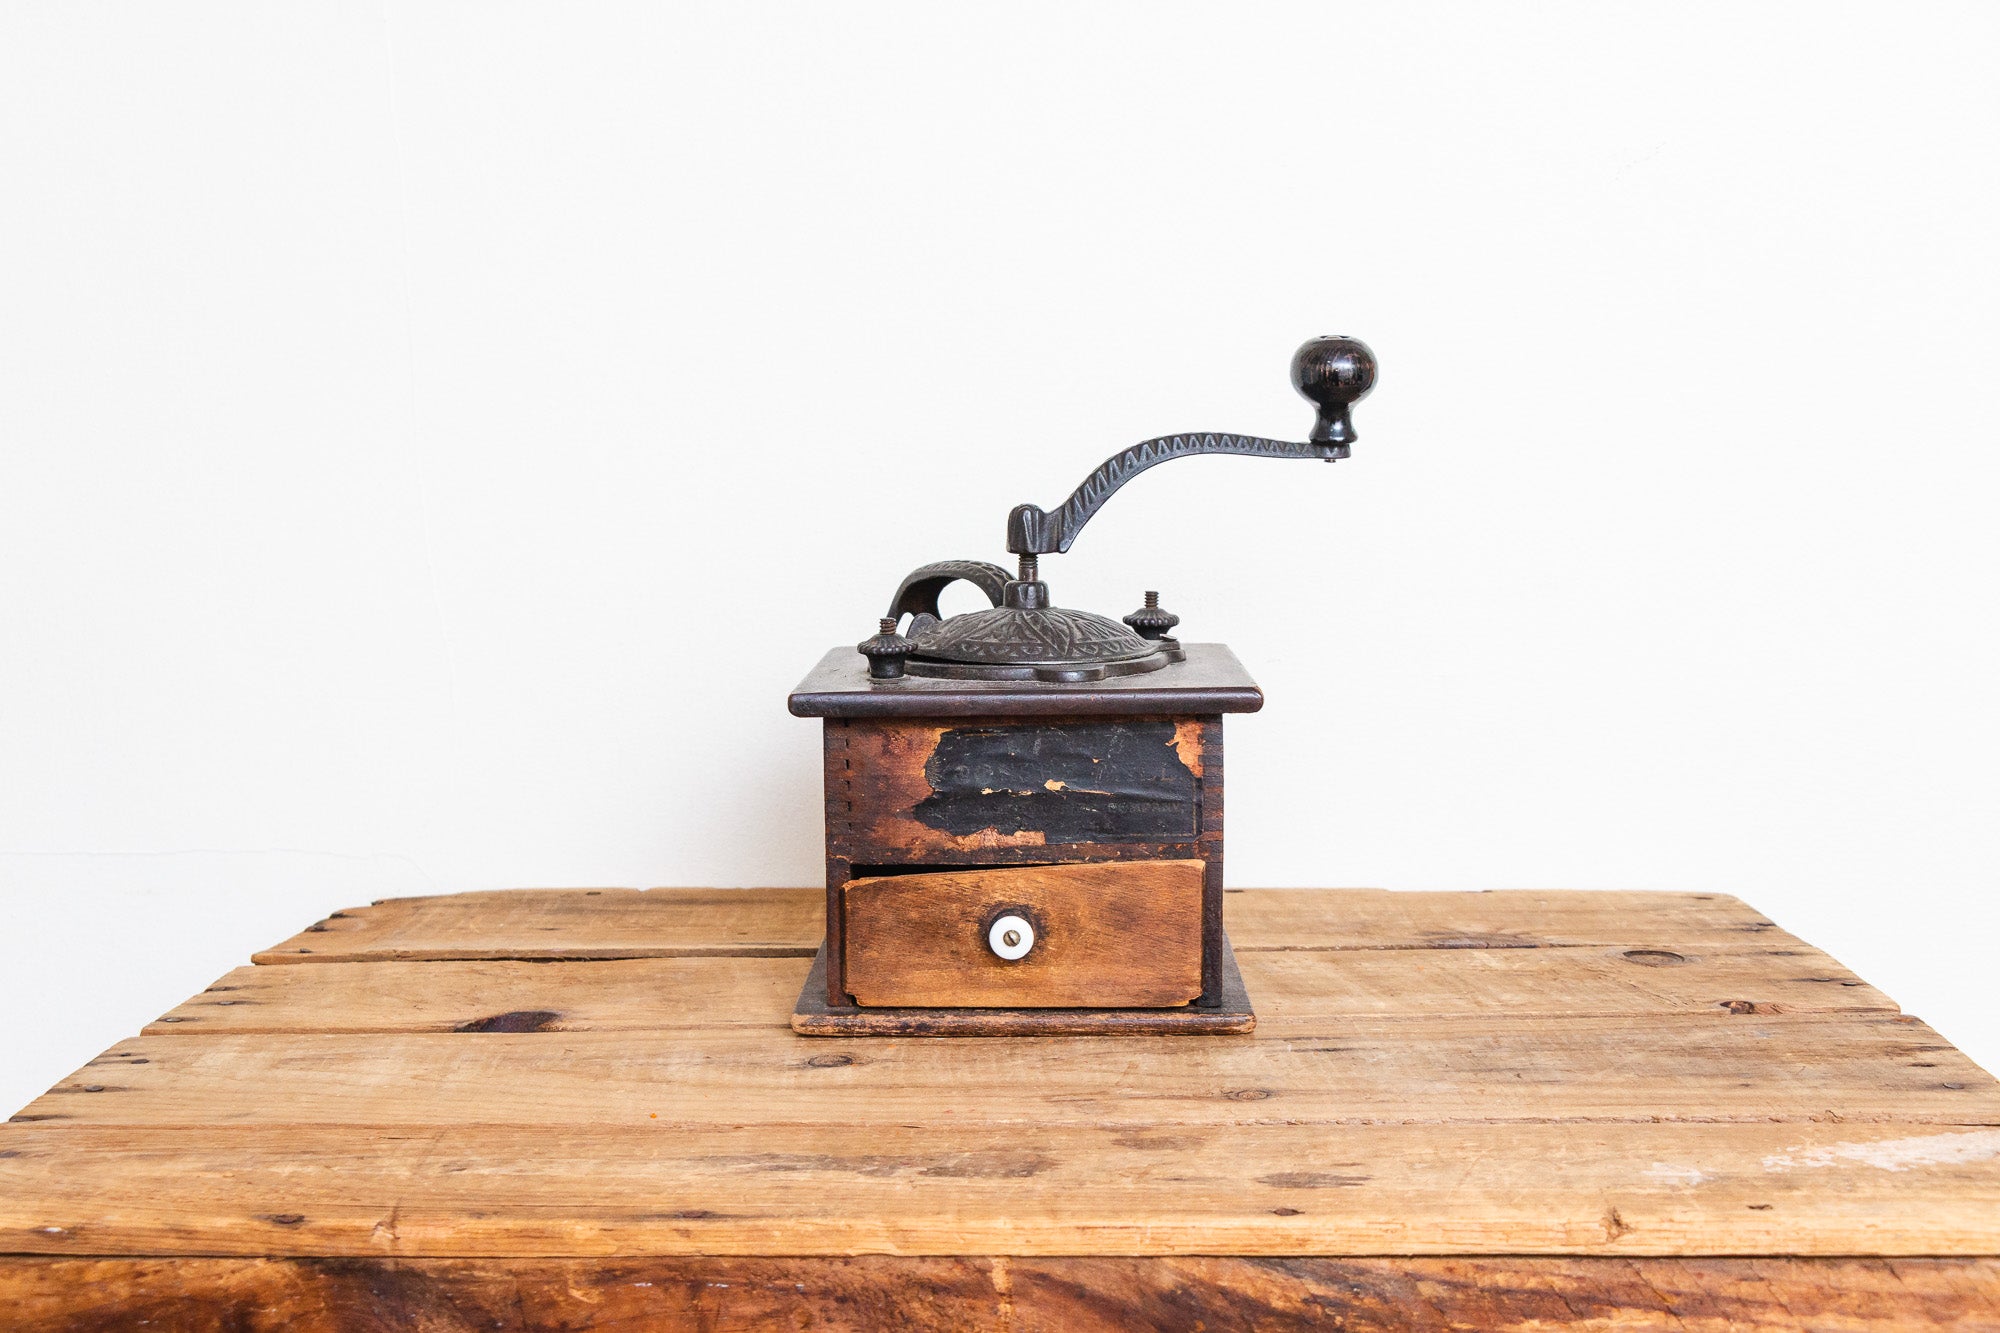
<point>991,792</point>
<point>1121,934</point>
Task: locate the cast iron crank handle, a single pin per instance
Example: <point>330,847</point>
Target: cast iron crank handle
<point>1333,373</point>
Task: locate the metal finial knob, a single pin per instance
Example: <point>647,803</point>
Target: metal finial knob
<point>886,651</point>
<point>1333,373</point>
<point>1152,621</point>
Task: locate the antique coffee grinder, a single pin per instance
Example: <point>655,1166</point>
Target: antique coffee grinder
<point>1024,803</point>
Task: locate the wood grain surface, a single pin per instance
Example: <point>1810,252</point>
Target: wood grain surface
<point>1523,1109</point>
<point>562,924</point>
<point>1121,934</point>
<point>658,994</point>
<point>1858,1069</point>
<point>565,924</point>
<point>1020,1295</point>
<point>633,1185</point>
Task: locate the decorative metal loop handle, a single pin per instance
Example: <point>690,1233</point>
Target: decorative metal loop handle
<point>918,594</point>
<point>1333,373</point>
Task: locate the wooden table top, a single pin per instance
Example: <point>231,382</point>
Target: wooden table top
<point>1661,1097</point>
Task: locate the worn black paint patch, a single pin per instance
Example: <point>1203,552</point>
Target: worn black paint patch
<point>1079,783</point>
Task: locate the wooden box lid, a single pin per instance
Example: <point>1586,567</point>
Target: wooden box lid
<point>1211,680</point>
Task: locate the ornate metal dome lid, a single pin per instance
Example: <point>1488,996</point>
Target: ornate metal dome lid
<point>1041,636</point>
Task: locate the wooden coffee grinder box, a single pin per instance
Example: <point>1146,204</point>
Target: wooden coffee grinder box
<point>1024,804</point>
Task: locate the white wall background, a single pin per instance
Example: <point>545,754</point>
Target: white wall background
<point>398,405</point>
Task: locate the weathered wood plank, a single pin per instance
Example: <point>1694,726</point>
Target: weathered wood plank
<point>498,995</point>
<point>1629,1189</point>
<point>631,923</point>
<point>565,923</point>
<point>1307,986</point>
<point>1026,1295</point>
<point>1494,919</point>
<point>1859,1067</point>
<point>673,994</point>
<point>1038,1295</point>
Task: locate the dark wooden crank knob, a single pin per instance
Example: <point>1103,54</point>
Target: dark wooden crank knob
<point>1333,373</point>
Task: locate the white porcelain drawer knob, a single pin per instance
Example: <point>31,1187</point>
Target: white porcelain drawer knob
<point>1010,937</point>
